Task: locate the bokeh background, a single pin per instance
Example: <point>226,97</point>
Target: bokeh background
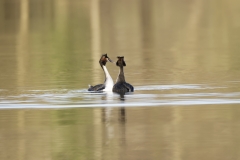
<point>54,44</point>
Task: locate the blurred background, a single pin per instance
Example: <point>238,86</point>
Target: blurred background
<point>53,46</point>
<point>57,44</point>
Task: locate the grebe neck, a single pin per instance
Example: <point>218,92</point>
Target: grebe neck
<point>107,75</point>
<point>108,80</point>
<point>121,77</point>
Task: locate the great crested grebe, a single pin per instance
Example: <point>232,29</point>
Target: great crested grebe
<point>108,83</point>
<point>121,85</point>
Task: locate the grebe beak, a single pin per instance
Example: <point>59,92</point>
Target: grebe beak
<point>109,60</point>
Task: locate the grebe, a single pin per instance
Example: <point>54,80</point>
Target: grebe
<point>108,83</point>
<point>121,85</point>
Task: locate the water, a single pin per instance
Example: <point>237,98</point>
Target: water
<point>151,95</point>
<point>182,58</point>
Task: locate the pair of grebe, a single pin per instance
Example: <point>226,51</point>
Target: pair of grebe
<point>121,86</point>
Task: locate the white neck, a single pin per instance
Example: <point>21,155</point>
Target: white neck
<point>108,81</point>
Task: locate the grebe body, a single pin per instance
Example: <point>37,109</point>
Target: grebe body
<point>121,85</point>
<point>108,83</point>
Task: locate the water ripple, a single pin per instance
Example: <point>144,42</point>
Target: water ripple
<point>152,95</point>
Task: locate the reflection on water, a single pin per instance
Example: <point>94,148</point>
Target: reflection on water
<point>189,132</point>
<point>183,60</point>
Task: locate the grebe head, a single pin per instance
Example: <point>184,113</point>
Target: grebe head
<point>104,59</point>
<point>120,62</point>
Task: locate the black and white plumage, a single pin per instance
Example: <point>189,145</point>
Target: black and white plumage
<point>108,83</point>
<point>121,85</point>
